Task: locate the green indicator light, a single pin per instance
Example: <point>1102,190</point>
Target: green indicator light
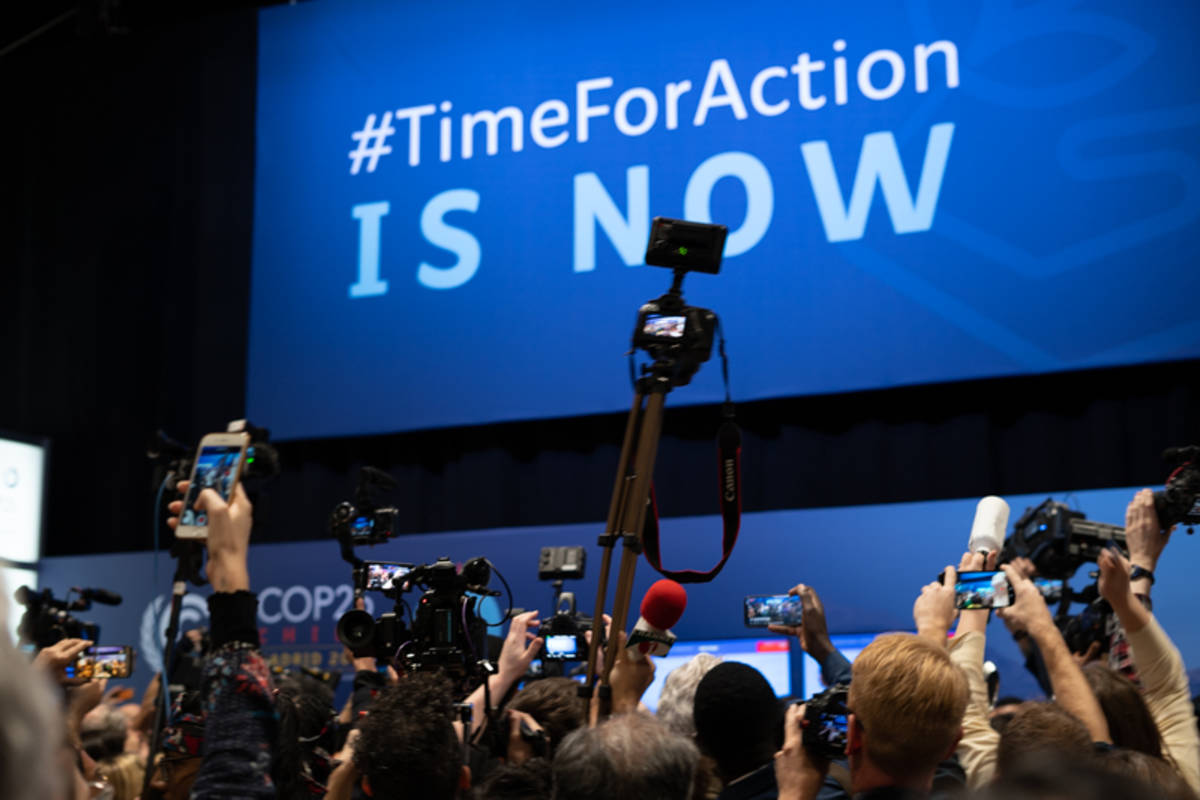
<point>683,251</point>
<point>250,460</point>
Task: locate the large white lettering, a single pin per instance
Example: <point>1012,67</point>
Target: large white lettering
<point>879,162</point>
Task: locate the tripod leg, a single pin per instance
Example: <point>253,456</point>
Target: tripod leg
<point>611,530</point>
<point>634,516</point>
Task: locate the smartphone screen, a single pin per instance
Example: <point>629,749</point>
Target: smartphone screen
<point>382,575</point>
<point>216,468</point>
<point>561,647</point>
<point>102,662</point>
<point>762,610</point>
<point>992,590</point>
<point>982,590</point>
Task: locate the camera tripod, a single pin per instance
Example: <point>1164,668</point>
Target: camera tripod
<point>627,513</point>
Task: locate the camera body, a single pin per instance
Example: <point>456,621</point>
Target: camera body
<point>446,631</point>
<point>565,633</point>
<point>48,620</point>
<point>826,723</point>
<point>666,328</point>
<point>1179,501</point>
<point>1058,540</point>
<point>367,525</point>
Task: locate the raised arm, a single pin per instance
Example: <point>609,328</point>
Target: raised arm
<point>1071,689</point>
<point>240,725</point>
<point>977,747</point>
<point>813,635</point>
<point>1159,667</point>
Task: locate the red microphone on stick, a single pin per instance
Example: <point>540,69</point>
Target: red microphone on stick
<point>662,607</point>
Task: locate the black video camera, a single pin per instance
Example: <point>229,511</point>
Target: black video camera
<point>1179,501</point>
<point>363,521</point>
<point>48,620</point>
<point>446,631</point>
<point>673,333</point>
<point>1058,540</point>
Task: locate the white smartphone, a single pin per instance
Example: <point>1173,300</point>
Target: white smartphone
<point>218,466</point>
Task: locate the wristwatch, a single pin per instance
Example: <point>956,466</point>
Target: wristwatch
<point>1141,572</point>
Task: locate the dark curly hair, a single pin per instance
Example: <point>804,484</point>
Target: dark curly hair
<point>408,747</point>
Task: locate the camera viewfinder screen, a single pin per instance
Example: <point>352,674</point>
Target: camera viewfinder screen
<point>561,646</point>
<point>982,590</point>
<point>382,577</point>
<point>216,468</point>
<point>778,609</point>
<point>661,327</point>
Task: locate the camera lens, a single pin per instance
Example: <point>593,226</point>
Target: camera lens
<point>356,629</point>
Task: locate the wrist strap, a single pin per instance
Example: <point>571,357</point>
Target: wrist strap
<point>1141,572</point>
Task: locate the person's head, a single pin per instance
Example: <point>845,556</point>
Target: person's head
<point>1051,776</point>
<point>306,721</point>
<point>907,701</point>
<point>1041,728</point>
<point>1150,770</point>
<point>103,732</point>
<point>555,704</point>
<point>675,705</point>
<point>630,755</point>
<point>124,773</point>
<point>1003,711</point>
<point>408,747</point>
<point>1129,721</point>
<point>739,721</point>
<point>530,780</point>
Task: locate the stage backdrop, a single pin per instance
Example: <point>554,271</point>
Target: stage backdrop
<point>868,563</point>
<point>452,201</point>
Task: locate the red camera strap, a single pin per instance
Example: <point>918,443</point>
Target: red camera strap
<point>729,490</point>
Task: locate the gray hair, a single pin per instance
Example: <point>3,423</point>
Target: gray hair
<point>630,755</point>
<point>679,694</point>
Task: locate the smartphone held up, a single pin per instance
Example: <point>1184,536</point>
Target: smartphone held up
<point>761,610</point>
<point>975,590</point>
<point>218,466</point>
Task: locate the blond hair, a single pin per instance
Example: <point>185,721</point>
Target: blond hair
<point>909,698</point>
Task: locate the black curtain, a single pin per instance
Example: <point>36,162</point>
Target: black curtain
<point>127,221</point>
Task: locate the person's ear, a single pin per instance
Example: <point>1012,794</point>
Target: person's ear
<point>854,735</point>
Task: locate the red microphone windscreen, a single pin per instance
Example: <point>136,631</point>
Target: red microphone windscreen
<point>664,603</point>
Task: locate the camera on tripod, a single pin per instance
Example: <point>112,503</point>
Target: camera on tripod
<point>672,332</point>
<point>48,620</point>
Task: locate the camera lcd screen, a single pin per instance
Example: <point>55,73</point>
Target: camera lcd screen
<point>382,576</point>
<point>562,646</point>
<point>216,468</point>
<point>772,609</point>
<point>663,327</point>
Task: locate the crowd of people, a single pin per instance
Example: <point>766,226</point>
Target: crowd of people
<point>921,719</point>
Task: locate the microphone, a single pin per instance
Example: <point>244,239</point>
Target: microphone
<point>662,607</point>
<point>991,520</point>
<point>99,596</point>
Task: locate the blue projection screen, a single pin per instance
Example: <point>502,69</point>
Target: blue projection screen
<point>453,200</point>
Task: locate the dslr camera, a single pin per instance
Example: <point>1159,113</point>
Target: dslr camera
<point>363,521</point>
<point>672,332</point>
<point>565,632</point>
<point>1179,501</point>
